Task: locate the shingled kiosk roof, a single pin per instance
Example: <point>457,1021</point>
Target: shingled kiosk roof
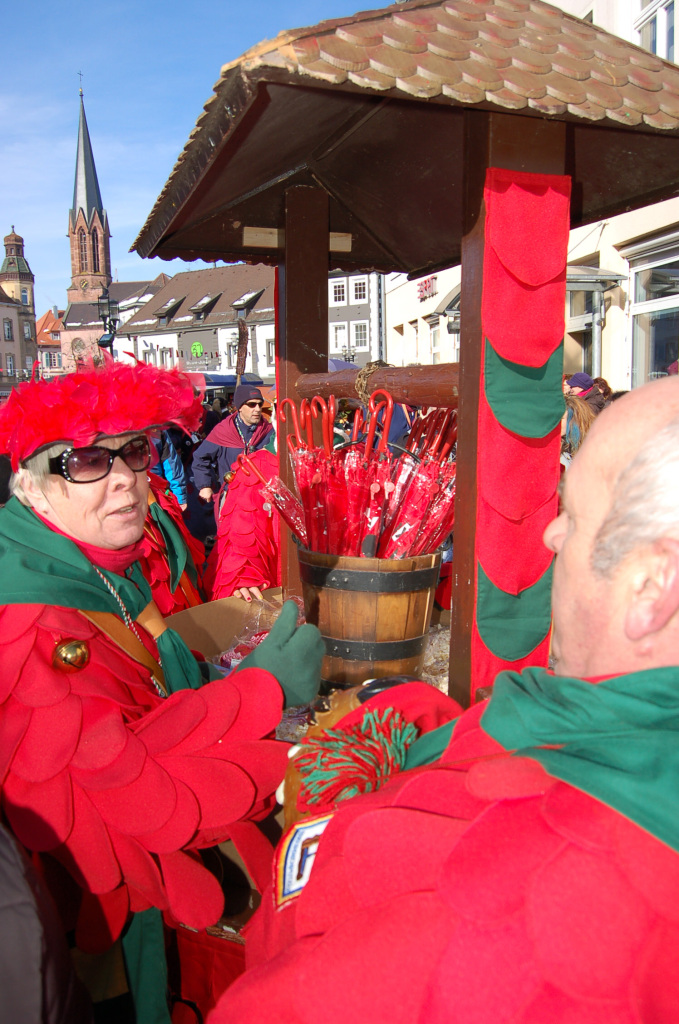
<point>372,108</point>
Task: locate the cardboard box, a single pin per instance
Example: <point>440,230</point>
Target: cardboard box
<point>209,628</point>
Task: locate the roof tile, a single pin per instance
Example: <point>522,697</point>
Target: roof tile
<point>507,98</point>
<point>571,66</point>
<point>607,73</point>
<point>646,60</point>
<point>306,50</point>
<point>321,69</point>
<point>463,92</point>
<point>545,19</point>
<point>418,85</point>
<point>660,120</point>
<point>565,89</point>
<point>506,17</point>
<point>342,55</point>
<point>668,103</point>
<point>480,75</point>
<point>424,19</point>
<point>438,69</point>
<point>364,33</point>
<point>609,52</point>
<point>391,62</point>
<point>637,99</point>
<point>447,46</point>
<point>498,34</point>
<point>605,95</point>
<point>470,11</point>
<point>529,60</point>
<point>592,111</point>
<point>625,115</point>
<point>404,38</point>
<point>487,53</point>
<point>371,79</point>
<point>548,105</point>
<point>575,47</point>
<point>671,81</point>
<point>534,39</point>
<point>530,86</point>
<point>649,80</point>
<point>448,23</point>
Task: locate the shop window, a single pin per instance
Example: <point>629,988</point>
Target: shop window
<point>653,283</point>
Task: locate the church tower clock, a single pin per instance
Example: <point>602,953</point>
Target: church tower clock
<point>88,229</point>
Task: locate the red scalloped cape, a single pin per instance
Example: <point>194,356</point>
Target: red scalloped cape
<point>119,785</point>
<point>477,890</point>
<point>247,552</point>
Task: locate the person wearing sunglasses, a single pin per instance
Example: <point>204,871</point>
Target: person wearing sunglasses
<point>244,431</point>
<point>122,753</point>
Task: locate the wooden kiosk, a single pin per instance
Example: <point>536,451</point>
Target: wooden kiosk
<point>363,144</point>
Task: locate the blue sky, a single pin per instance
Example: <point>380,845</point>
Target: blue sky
<point>148,68</point>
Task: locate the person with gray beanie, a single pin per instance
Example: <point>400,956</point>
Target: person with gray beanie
<point>244,431</point>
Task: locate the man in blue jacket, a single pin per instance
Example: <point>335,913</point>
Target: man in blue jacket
<point>244,431</point>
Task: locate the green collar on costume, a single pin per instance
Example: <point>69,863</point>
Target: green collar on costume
<point>42,567</point>
<point>618,740</point>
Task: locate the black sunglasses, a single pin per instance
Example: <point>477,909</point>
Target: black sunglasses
<point>85,465</point>
<point>254,405</point>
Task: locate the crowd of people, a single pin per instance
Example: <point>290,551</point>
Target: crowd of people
<point>515,862</point>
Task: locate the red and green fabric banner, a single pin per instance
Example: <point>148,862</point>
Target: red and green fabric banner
<point>520,408</point>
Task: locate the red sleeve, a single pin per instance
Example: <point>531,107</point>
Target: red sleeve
<point>120,784</point>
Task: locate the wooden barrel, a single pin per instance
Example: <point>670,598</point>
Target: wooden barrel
<point>373,613</point>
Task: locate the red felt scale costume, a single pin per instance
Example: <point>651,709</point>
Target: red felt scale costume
<point>247,552</point>
<point>477,889</point>
<point>100,770</point>
<point>119,784</point>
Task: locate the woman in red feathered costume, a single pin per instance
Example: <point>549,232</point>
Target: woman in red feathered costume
<point>118,763</point>
<point>246,558</point>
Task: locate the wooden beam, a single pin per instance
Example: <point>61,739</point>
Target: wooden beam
<point>274,238</point>
<point>413,385</point>
<point>302,334</point>
<point>515,143</point>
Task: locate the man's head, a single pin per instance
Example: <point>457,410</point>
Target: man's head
<point>579,383</point>
<point>249,403</point>
<point>616,577</point>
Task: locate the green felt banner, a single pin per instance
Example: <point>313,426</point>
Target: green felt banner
<point>512,625</point>
<point>528,400</point>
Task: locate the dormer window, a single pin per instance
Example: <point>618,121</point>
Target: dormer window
<point>204,306</point>
<point>166,312</point>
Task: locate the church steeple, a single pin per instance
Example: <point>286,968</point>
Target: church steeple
<point>88,229</point>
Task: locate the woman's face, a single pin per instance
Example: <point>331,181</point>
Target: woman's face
<point>107,513</point>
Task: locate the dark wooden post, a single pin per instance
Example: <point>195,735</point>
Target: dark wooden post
<point>515,143</point>
<point>302,340</point>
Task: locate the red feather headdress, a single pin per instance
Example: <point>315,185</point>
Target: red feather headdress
<point>77,408</point>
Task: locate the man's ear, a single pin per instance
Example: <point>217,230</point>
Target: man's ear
<point>655,598</point>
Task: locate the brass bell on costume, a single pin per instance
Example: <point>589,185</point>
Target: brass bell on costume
<point>71,655</point>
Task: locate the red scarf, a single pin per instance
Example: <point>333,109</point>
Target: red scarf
<point>113,560</point>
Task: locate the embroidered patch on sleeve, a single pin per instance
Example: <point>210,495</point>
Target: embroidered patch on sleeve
<point>295,857</point>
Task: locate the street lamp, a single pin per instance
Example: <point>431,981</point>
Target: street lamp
<point>108,314</point>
